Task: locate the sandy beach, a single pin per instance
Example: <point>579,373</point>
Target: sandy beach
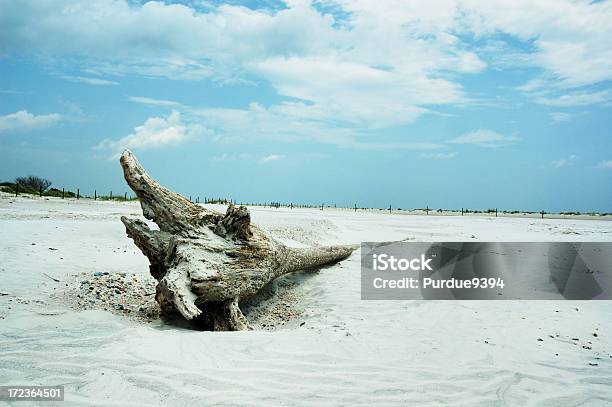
<point>306,203</point>
<point>323,344</point>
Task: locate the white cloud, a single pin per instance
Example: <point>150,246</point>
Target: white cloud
<point>438,156</point>
<point>372,65</point>
<point>469,62</point>
<point>370,71</point>
<point>90,81</point>
<point>484,138</point>
<point>563,161</point>
<point>292,122</point>
<point>560,117</point>
<point>14,92</point>
<point>153,102</point>
<point>270,158</point>
<point>156,132</point>
<point>225,157</point>
<point>559,163</point>
<point>605,164</point>
<point>571,40</point>
<point>24,121</point>
<point>533,85</point>
<point>578,99</point>
<point>357,93</point>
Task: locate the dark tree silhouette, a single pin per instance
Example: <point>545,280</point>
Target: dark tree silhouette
<point>33,182</point>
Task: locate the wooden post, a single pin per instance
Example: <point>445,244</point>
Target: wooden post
<point>95,194</point>
<point>496,212</point>
<point>427,210</point>
<point>461,211</point>
<point>542,213</point>
<point>389,209</point>
<point>78,193</point>
<point>355,207</point>
<point>62,193</point>
<point>291,205</point>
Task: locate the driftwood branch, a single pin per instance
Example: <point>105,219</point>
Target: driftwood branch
<point>207,262</point>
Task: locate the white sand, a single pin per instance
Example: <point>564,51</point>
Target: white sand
<point>348,351</point>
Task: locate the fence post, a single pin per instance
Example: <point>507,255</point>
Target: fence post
<point>542,213</point>
<point>292,205</point>
<point>389,209</point>
<point>461,211</point>
<point>427,210</point>
<point>355,207</point>
<point>78,193</point>
<point>95,194</point>
<point>62,193</point>
<point>496,212</point>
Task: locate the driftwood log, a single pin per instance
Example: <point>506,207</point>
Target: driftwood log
<point>207,262</point>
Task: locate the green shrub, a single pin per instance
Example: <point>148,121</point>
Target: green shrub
<point>58,193</point>
<point>33,183</point>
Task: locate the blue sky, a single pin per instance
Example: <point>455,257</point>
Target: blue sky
<point>447,104</point>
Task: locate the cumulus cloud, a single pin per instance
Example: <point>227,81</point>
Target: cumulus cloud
<point>155,132</point>
<point>382,66</point>
<point>355,92</point>
<point>484,138</point>
<point>570,39</point>
<point>25,121</point>
<point>362,63</point>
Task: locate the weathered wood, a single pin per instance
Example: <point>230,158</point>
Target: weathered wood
<point>206,262</point>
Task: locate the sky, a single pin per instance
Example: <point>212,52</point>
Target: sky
<point>446,104</point>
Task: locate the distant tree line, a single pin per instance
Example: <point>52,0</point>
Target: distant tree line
<point>31,184</point>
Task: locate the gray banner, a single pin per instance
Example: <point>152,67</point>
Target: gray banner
<point>31,393</point>
<point>486,271</point>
